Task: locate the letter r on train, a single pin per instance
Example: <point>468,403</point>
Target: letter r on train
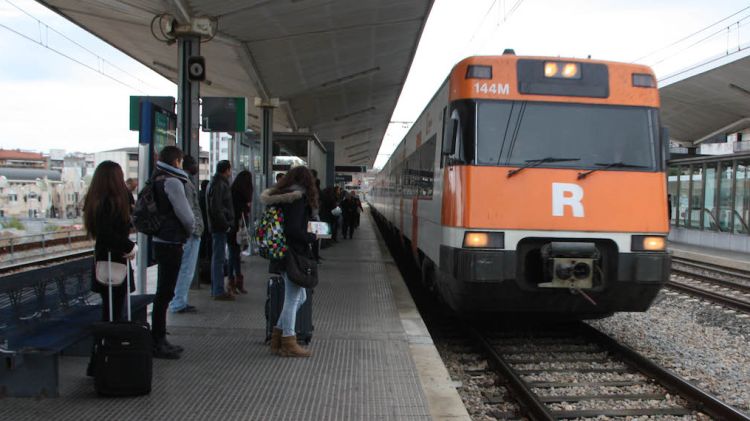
<point>567,194</point>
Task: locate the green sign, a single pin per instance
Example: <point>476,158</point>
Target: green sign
<point>166,102</point>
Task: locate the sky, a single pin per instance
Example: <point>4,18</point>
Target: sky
<point>50,101</point>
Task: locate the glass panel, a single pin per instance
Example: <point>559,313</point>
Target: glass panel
<point>742,198</point>
<point>696,203</point>
<point>593,134</point>
<point>725,196</point>
<point>684,193</point>
<point>710,220</point>
<point>673,183</point>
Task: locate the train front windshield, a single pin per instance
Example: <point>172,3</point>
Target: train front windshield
<point>510,133</point>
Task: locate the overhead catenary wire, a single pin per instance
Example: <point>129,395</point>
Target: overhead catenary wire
<point>100,60</point>
<point>719,32</point>
<point>691,35</point>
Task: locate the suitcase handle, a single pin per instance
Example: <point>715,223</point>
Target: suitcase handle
<point>127,285</point>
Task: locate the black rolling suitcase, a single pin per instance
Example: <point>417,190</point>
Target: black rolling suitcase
<point>122,354</point>
<point>275,301</point>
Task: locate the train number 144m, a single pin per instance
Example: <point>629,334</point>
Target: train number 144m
<point>492,88</point>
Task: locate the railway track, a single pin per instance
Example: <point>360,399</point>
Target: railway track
<point>727,287</point>
<point>45,261</point>
<point>578,372</point>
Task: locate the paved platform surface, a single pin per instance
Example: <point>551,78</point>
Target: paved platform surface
<point>372,357</point>
<point>730,259</point>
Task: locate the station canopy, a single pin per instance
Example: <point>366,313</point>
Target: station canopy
<point>337,66</point>
<point>708,102</point>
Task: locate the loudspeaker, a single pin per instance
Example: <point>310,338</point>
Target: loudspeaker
<point>196,68</point>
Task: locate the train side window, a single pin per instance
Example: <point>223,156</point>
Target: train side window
<point>444,136</point>
<point>451,136</point>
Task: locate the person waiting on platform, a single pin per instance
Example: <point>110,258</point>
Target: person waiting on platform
<point>106,216</point>
<point>297,196</point>
<point>179,303</point>
<point>349,213</point>
<point>220,219</point>
<point>242,197</point>
<point>279,176</point>
<point>177,224</point>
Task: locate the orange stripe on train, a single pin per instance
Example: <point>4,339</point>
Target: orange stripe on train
<point>554,199</point>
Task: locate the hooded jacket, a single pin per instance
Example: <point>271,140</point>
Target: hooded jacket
<point>297,213</point>
<point>171,199</point>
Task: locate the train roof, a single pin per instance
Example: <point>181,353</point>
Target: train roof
<point>512,77</point>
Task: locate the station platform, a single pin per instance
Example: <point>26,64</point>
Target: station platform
<point>373,358</point>
<point>726,258</point>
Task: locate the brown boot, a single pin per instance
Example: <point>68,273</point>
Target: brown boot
<point>290,348</point>
<point>276,341</point>
<point>239,285</point>
<point>229,285</point>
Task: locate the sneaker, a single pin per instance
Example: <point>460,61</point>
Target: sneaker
<point>187,309</point>
<point>224,297</point>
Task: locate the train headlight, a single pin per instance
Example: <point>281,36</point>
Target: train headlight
<point>484,240</point>
<point>550,69</point>
<point>648,243</point>
<point>561,70</point>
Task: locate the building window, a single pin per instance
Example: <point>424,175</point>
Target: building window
<point>742,198</point>
<point>710,219</point>
<point>725,196</point>
<point>696,196</point>
<point>684,197</point>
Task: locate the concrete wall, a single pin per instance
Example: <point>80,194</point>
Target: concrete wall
<point>718,240</point>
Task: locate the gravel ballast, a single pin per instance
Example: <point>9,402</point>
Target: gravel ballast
<point>704,343</point>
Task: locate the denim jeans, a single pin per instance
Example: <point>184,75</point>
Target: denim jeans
<point>217,262</point>
<point>235,264</point>
<point>187,270</point>
<point>294,297</point>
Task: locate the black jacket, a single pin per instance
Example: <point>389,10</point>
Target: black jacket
<point>240,208</point>
<point>297,213</point>
<point>219,205</point>
<point>112,237</point>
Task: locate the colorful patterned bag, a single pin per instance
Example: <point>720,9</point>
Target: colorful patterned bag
<point>269,234</point>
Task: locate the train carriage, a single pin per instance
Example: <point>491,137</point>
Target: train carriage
<point>533,184</point>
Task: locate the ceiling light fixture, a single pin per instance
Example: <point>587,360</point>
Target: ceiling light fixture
<point>348,135</point>
<point>352,114</point>
<point>357,145</point>
<point>350,77</point>
<point>364,153</point>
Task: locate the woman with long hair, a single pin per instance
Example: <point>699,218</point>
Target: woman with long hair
<point>106,216</point>
<point>242,197</point>
<point>297,196</point>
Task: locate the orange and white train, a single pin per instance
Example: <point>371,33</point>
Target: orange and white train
<point>534,184</point>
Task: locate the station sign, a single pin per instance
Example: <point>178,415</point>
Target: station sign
<point>164,102</point>
<point>223,114</point>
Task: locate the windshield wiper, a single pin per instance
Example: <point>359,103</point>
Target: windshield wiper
<point>582,175</point>
<point>536,162</point>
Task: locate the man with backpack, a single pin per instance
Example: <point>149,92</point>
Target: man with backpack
<point>176,224</point>
<point>220,219</point>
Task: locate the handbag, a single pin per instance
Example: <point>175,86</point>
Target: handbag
<point>243,235</point>
<point>301,269</point>
<point>108,271</point>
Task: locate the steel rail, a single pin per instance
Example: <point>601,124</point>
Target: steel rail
<point>703,401</point>
<point>528,400</point>
<point>739,273</point>
<point>721,299</point>
<point>720,282</point>
<point>45,261</point>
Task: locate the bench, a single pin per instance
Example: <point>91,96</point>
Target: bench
<point>44,313</point>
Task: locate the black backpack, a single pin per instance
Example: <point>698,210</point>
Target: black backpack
<point>146,216</point>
